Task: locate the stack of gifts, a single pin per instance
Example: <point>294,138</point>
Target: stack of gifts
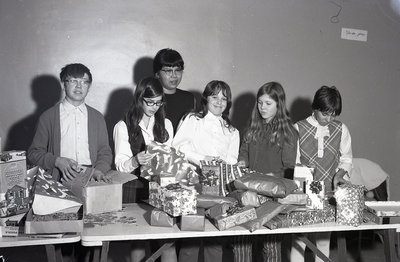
<point>350,204</point>
<point>174,199</point>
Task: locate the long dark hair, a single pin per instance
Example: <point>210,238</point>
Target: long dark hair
<point>148,87</point>
<point>213,88</point>
<point>281,125</point>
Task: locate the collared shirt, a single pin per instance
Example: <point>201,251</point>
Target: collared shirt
<point>74,132</point>
<point>123,152</point>
<point>346,155</point>
<point>200,137</point>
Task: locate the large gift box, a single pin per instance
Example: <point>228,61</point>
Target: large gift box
<point>301,216</point>
<point>14,193</point>
<point>99,196</point>
<point>175,199</point>
<point>265,213</point>
<point>350,204</point>
<point>234,216</point>
<point>168,166</point>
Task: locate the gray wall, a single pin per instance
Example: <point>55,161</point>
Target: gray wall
<point>245,43</point>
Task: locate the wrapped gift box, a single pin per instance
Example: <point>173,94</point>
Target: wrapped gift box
<point>208,201</point>
<point>161,219</point>
<point>301,175</point>
<point>175,199</point>
<point>265,213</point>
<point>235,216</point>
<point>194,222</point>
<point>298,198</point>
<point>54,223</point>
<point>315,191</point>
<point>246,198</point>
<point>218,210</point>
<point>14,193</point>
<point>301,217</point>
<point>209,180</point>
<point>350,204</point>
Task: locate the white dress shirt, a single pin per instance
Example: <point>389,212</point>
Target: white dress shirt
<point>346,154</point>
<point>123,152</point>
<point>208,136</point>
<point>74,132</point>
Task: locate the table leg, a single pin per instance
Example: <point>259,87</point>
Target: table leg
<point>51,253</point>
<point>158,253</point>
<point>342,249</point>
<point>96,254</point>
<point>389,245</point>
<point>313,248</point>
<point>104,251</point>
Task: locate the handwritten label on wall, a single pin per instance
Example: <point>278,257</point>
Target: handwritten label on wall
<point>354,34</point>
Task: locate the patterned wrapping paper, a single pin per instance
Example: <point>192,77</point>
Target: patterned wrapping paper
<point>235,216</point>
<point>315,191</point>
<point>174,199</point>
<point>350,204</point>
<point>227,175</point>
<point>209,180</point>
<point>300,218</point>
<point>160,218</point>
<point>168,166</point>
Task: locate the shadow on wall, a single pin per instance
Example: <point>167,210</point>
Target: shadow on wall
<point>300,109</point>
<point>121,98</point>
<point>45,91</point>
<point>241,111</point>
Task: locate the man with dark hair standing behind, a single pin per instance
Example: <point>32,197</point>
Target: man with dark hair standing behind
<point>72,134</point>
<point>168,67</point>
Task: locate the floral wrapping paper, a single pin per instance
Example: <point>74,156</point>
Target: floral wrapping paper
<point>168,166</point>
<point>174,199</point>
<point>350,204</point>
<point>235,216</point>
<point>300,218</point>
<point>222,175</point>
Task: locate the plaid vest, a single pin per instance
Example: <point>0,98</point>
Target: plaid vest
<point>325,167</point>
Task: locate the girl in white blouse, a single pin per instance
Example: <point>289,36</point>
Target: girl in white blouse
<point>144,122</point>
<point>208,134</point>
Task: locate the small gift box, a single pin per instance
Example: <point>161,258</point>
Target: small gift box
<point>209,180</point>
<point>301,175</point>
<point>234,216</point>
<point>350,204</point>
<point>218,210</point>
<point>194,222</point>
<point>315,191</point>
<point>300,217</point>
<point>208,201</point>
<point>265,213</point>
<point>175,199</point>
<point>161,219</point>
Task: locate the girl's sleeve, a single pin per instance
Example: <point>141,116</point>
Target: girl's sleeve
<point>346,153</point>
<point>244,153</point>
<point>183,140</point>
<point>123,152</point>
<point>170,130</point>
<point>289,152</point>
<point>233,150</point>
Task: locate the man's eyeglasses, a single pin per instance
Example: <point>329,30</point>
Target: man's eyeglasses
<point>170,71</point>
<point>152,103</point>
<point>74,82</point>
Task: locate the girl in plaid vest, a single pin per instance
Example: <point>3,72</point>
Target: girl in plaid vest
<point>324,144</point>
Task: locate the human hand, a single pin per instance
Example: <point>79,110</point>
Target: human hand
<point>338,178</point>
<point>99,176</point>
<point>69,168</point>
<point>143,158</point>
<point>213,158</point>
<point>241,163</point>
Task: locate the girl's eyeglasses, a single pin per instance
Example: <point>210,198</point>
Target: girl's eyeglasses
<point>152,103</point>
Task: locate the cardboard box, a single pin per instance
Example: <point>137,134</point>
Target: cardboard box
<point>159,218</point>
<point>99,197</point>
<point>53,226</point>
<point>14,194</point>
